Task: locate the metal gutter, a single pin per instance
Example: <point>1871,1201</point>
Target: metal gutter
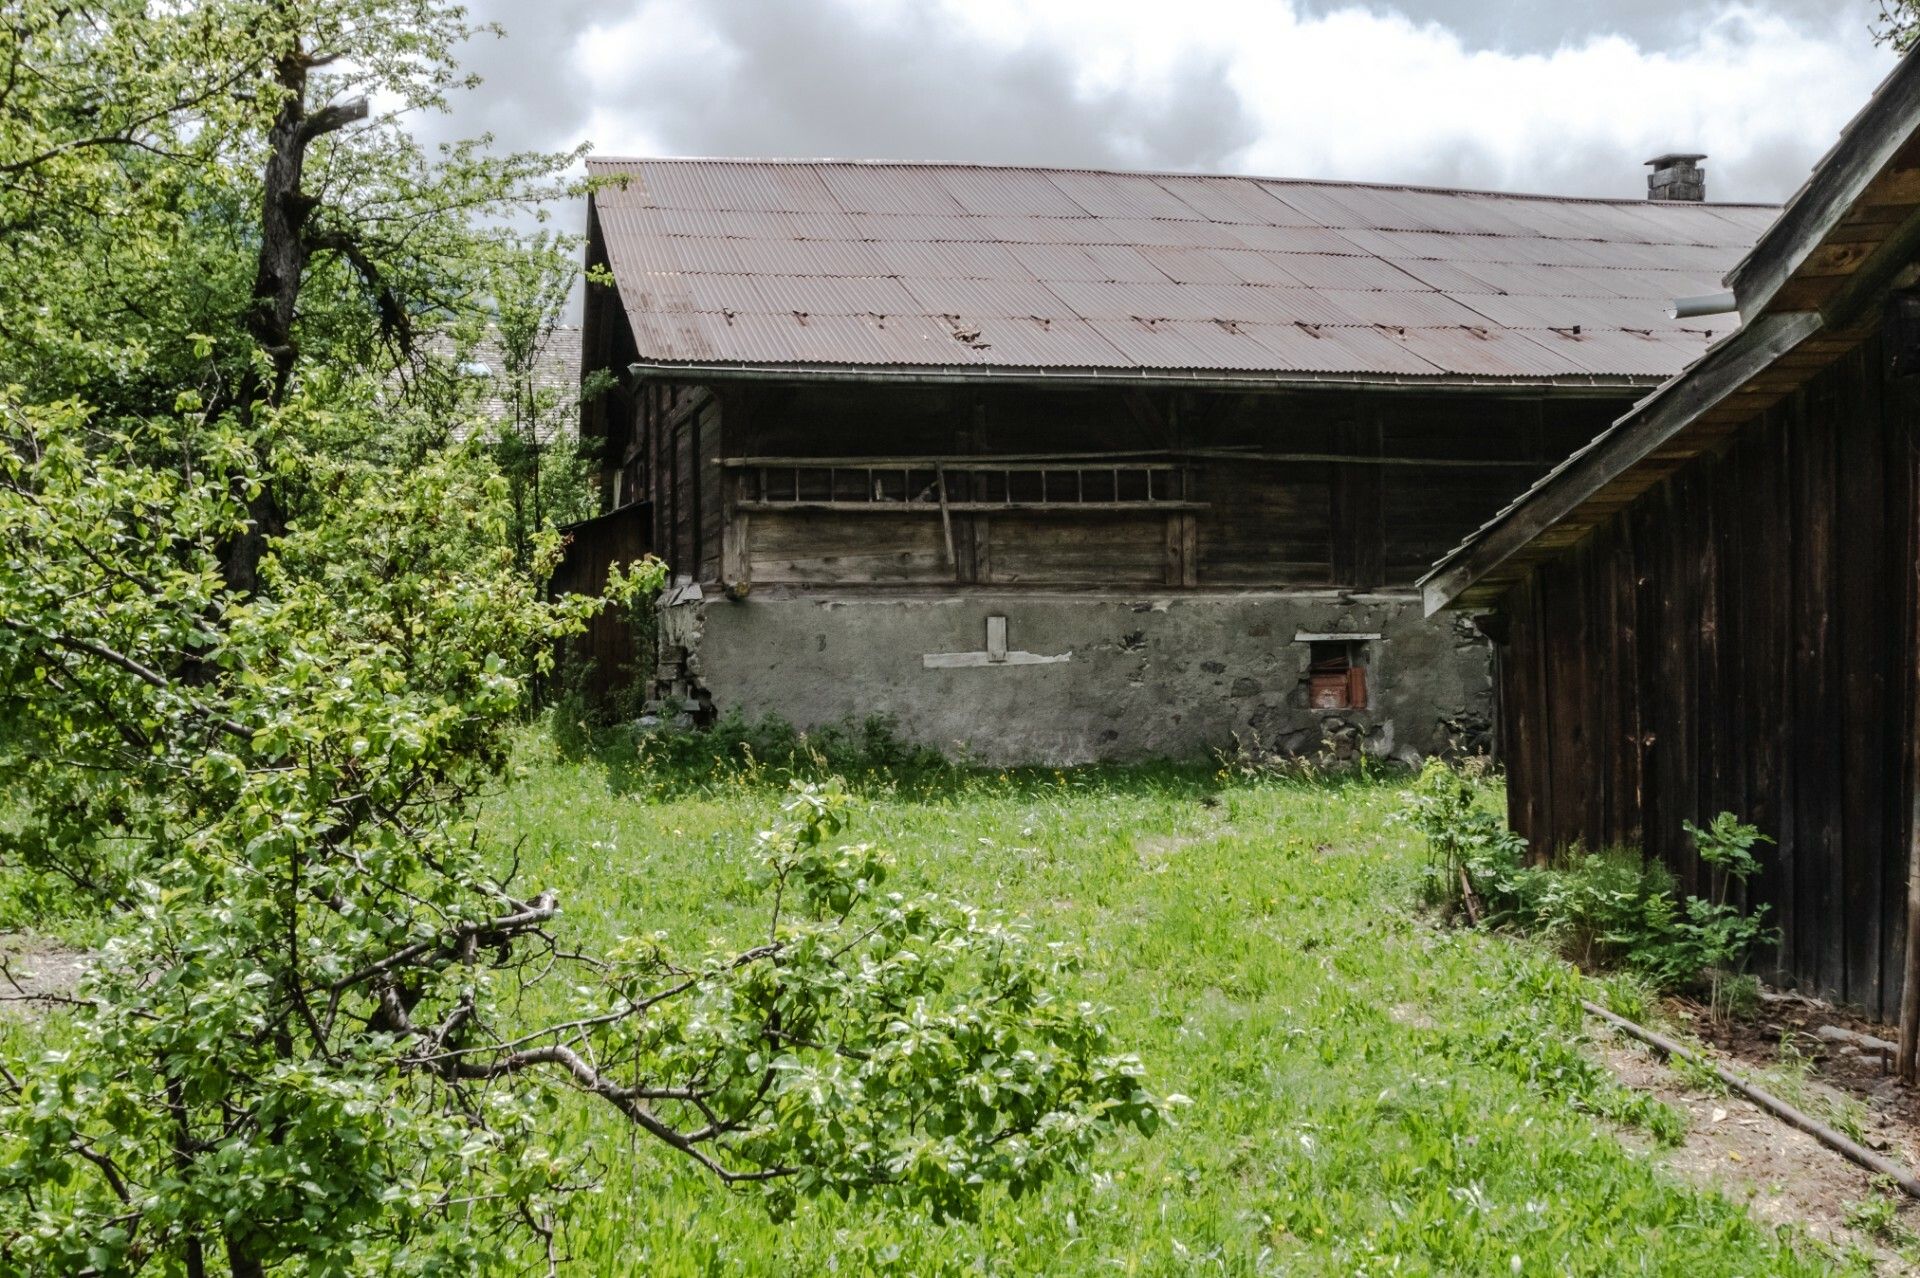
<point>1592,387</point>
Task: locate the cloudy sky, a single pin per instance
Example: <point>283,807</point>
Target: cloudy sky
<point>1564,96</point>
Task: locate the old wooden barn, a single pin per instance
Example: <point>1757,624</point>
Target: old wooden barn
<point>1055,465</point>
<point>1712,607</point>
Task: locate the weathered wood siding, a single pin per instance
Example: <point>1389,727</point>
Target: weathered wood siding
<point>1333,488</point>
<point>606,652</point>
<point>1741,639</point>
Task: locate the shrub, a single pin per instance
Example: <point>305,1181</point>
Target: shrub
<point>1603,909</point>
<point>1472,852</point>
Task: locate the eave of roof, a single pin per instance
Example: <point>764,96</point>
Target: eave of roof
<point>1580,387</point>
<point>1805,291</point>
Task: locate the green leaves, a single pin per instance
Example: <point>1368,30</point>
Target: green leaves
<point>904,1049</point>
<point>267,630</point>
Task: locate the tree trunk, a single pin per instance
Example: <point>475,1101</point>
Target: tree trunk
<point>284,253</point>
<point>241,1262</point>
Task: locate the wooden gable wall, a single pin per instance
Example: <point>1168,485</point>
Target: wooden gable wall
<point>1741,639</point>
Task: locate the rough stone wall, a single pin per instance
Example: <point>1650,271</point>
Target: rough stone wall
<point>1085,677</point>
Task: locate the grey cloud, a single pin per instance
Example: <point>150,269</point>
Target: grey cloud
<point>526,99</point>
<point>820,78</point>
<point>817,79</point>
<point>1535,26</point>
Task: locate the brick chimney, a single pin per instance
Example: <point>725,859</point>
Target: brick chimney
<point>1677,177</point>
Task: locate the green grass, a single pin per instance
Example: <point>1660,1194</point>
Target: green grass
<point>1370,1093</point>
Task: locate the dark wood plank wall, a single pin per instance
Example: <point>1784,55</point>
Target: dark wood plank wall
<point>1741,639</point>
<point>1279,513</point>
<point>606,654</point>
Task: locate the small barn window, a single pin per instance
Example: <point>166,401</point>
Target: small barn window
<point>1337,674</point>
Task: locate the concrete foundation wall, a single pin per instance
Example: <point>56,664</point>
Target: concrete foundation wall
<point>1086,677</point>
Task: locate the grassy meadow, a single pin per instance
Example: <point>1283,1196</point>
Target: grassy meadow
<point>1370,1093</point>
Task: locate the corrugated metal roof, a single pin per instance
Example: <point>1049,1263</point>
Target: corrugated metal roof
<point>836,264</point>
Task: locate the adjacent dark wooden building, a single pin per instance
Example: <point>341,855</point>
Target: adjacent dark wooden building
<point>1712,607</point>
<point>1052,465</point>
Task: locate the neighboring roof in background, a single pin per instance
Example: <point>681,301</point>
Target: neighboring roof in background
<point>1807,291</point>
<point>968,271</point>
<point>556,378</point>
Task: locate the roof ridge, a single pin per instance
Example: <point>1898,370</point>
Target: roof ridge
<point>800,161</point>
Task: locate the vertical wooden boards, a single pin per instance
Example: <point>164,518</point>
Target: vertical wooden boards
<point>1570,779</point>
<point>1183,549</point>
<point>1529,703</point>
<point>1266,523</point>
<point>606,650</point>
<point>1359,530</point>
<point>1743,638</point>
<point>736,537</point>
<point>1620,656</point>
<point>1864,657</point>
<point>1900,413</point>
<point>824,548</point>
<point>709,511</point>
<point>1817,719</point>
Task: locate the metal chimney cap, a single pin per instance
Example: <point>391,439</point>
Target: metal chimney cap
<point>1672,158</point>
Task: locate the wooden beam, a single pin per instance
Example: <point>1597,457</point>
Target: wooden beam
<point>1008,507</point>
<point>1869,144</point>
<point>1064,460</point>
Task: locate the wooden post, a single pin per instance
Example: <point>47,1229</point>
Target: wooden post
<point>736,551</point>
<point>946,517</point>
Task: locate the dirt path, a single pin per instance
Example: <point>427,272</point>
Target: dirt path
<point>1783,1175</point>
<point>34,969</point>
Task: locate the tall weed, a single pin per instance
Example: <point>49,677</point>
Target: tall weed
<point>1608,909</point>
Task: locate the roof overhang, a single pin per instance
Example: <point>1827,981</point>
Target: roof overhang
<point>1806,293</point>
<point>1594,387</point>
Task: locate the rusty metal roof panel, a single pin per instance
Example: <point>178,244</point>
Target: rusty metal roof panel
<point>950,260</point>
<point>1084,262</point>
<point>1416,310</point>
<point>1294,239</point>
<point>1145,232</point>
<point>1047,342</point>
<point>804,294</point>
<point>1121,263</point>
<point>793,264</point>
<point>979,300</point>
<point>1123,195</point>
<point>1484,351</point>
<point>1232,200</point>
<point>1202,302</point>
<point>1324,271</point>
<point>862,188</point>
<point>1250,266</point>
<point>1599,350</point>
<point>1337,348</point>
<point>1190,265</point>
<point>1020,192</point>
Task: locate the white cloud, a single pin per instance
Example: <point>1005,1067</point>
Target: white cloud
<point>1250,85</point>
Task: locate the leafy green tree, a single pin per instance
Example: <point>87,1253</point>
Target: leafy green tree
<point>550,475</point>
<point>265,635</point>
